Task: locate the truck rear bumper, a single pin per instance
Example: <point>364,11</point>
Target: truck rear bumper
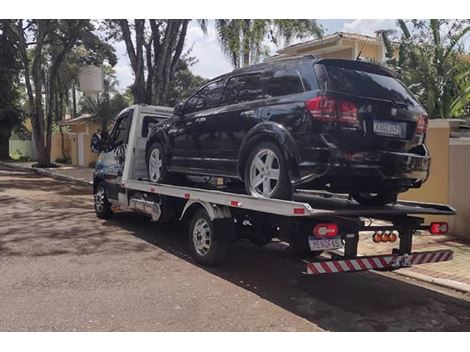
<point>378,262</point>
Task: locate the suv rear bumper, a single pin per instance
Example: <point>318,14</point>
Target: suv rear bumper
<point>358,170</point>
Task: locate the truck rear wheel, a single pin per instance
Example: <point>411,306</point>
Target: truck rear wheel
<point>205,246</point>
<point>101,202</point>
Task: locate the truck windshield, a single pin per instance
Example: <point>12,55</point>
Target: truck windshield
<point>362,83</point>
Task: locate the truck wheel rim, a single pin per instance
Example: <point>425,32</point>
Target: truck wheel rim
<point>202,237</point>
<point>155,165</point>
<point>264,173</point>
<point>99,199</point>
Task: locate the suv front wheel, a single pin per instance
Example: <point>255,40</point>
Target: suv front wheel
<point>266,173</point>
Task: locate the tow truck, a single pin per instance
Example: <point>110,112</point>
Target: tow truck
<point>321,227</point>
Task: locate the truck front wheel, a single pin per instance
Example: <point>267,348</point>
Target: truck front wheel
<point>205,246</point>
<point>101,202</point>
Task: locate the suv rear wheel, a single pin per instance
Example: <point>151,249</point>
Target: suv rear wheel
<point>375,199</point>
<point>266,173</point>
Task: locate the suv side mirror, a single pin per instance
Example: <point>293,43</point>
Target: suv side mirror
<point>96,143</point>
<point>179,109</point>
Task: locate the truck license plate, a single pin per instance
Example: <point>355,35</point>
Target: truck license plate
<point>324,244</point>
<point>390,128</point>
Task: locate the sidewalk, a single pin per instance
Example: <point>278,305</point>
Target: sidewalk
<point>78,174</point>
<point>453,274</point>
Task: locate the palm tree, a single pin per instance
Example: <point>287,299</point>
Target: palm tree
<point>429,63</point>
<point>243,40</point>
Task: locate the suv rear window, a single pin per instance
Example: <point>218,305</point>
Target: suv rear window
<point>362,83</point>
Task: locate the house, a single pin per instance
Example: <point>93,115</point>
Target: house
<point>77,140</point>
<point>340,45</point>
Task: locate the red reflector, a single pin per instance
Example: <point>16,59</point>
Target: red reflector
<point>298,211</point>
<point>187,195</point>
<point>152,190</point>
<point>439,228</point>
<point>234,203</point>
<point>325,230</point>
<point>421,124</point>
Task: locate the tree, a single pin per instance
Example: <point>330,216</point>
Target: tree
<point>44,46</point>
<point>10,111</point>
<point>154,48</point>
<point>108,103</point>
<point>242,40</point>
<point>429,62</point>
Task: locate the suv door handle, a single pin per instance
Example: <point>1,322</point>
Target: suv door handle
<point>200,119</point>
<point>248,113</point>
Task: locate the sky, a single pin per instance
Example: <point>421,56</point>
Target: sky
<point>212,61</point>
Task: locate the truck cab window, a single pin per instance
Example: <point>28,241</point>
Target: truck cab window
<point>120,133</point>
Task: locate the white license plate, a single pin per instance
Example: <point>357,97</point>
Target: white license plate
<point>324,244</point>
<point>390,129</point>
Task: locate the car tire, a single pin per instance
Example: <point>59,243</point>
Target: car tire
<point>266,173</point>
<point>101,202</point>
<point>375,199</point>
<point>204,244</point>
<point>156,164</point>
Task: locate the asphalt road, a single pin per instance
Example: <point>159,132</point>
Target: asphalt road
<point>62,269</point>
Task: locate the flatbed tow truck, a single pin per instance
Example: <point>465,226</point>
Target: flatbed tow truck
<point>322,228</point>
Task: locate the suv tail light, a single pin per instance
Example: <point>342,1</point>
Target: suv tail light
<point>328,109</point>
<point>325,230</point>
<point>422,124</point>
<point>439,228</point>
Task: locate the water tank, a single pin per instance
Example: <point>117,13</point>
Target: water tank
<point>91,79</point>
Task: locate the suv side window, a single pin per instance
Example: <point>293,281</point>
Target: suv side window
<point>243,88</point>
<point>207,98</point>
<point>284,82</point>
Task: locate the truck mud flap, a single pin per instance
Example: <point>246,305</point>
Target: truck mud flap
<point>378,262</point>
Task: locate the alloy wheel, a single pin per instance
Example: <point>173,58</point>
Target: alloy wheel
<point>202,237</point>
<point>155,165</point>
<point>264,173</point>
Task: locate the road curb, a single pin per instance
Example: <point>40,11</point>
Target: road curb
<point>454,285</point>
<point>46,172</point>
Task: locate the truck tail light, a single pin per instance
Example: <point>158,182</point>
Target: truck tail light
<point>325,230</point>
<point>439,228</point>
<point>327,109</point>
<point>422,124</point>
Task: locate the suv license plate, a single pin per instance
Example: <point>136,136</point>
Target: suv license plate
<point>324,244</point>
<point>390,129</point>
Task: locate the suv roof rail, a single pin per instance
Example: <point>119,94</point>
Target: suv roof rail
<point>291,57</point>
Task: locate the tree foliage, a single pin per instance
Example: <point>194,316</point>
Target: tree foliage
<point>243,40</point>
<point>10,111</point>
<point>431,62</point>
<point>44,46</point>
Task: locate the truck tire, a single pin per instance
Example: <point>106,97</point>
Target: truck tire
<point>205,247</point>
<point>101,202</point>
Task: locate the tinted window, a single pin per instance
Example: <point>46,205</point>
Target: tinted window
<point>243,88</point>
<point>285,82</point>
<point>207,98</point>
<point>361,83</point>
<point>148,123</point>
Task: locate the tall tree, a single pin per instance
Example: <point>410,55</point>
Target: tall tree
<point>429,61</point>
<point>44,46</point>
<point>10,112</point>
<point>242,40</point>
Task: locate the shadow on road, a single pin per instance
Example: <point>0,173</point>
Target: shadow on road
<point>340,302</point>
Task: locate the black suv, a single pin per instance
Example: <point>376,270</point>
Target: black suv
<point>300,123</point>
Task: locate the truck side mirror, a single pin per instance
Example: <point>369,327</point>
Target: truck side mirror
<point>96,143</point>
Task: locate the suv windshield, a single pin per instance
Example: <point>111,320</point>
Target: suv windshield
<point>362,83</point>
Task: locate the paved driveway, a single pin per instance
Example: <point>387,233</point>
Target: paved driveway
<point>63,269</point>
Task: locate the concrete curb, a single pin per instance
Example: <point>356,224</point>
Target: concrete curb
<point>46,172</point>
<point>454,285</point>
